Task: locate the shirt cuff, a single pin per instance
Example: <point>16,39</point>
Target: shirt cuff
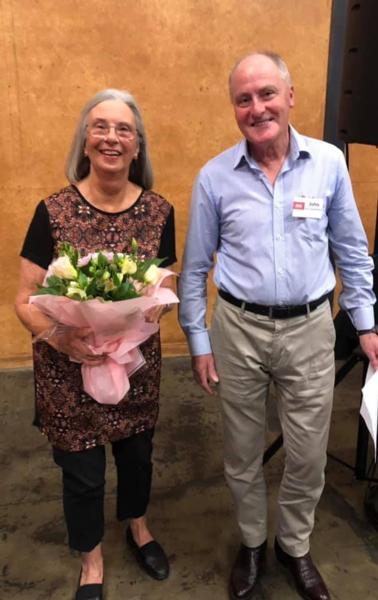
<point>362,318</point>
<point>199,343</point>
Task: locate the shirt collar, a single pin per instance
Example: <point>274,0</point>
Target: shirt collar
<point>298,149</point>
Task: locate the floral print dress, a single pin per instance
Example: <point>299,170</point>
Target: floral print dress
<point>69,417</point>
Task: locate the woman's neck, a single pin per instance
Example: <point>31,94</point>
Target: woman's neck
<point>112,194</point>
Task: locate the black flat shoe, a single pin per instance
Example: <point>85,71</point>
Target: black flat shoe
<point>89,591</point>
<point>150,556</point>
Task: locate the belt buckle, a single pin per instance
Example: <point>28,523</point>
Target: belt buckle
<point>283,312</point>
<point>280,312</point>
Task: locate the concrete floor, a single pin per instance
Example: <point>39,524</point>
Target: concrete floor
<point>190,512</point>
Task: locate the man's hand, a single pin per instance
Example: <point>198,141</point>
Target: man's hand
<point>204,371</point>
<point>369,345</point>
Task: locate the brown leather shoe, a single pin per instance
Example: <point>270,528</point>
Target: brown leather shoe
<point>246,570</point>
<point>308,580</point>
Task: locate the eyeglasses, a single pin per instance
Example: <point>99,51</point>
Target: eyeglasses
<point>123,131</point>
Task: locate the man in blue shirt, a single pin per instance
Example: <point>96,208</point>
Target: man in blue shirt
<point>269,208</point>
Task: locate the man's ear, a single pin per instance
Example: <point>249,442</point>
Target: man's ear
<point>291,97</point>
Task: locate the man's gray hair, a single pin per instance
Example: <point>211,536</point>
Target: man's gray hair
<point>274,57</point>
<point>78,165</point>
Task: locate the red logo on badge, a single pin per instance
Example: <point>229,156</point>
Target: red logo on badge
<point>299,205</point>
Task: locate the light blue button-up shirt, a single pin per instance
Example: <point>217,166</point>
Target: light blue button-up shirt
<point>264,254</point>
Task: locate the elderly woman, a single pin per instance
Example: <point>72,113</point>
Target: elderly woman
<point>108,202</point>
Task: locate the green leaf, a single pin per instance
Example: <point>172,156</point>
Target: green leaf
<point>117,279</point>
<point>124,292</point>
<point>65,248</point>
<point>102,261</point>
<point>53,280</point>
<point>42,291</point>
<point>87,269</point>
<point>82,280</point>
<point>93,289</point>
<point>145,265</point>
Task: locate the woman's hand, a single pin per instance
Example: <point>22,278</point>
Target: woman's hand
<point>153,315</point>
<point>72,341</point>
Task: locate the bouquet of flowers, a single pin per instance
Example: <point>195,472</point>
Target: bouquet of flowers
<point>109,293</point>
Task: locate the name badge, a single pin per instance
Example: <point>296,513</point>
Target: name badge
<point>304,207</point>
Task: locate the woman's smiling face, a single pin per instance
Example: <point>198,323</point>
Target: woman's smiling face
<point>112,139</point>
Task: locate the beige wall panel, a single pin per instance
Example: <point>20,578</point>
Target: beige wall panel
<point>175,58</point>
<point>363,164</point>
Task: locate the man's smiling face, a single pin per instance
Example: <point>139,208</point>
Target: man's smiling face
<point>262,100</point>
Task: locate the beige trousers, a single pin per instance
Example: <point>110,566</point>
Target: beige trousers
<point>296,354</point>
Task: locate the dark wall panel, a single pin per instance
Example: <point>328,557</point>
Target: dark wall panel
<point>358,120</point>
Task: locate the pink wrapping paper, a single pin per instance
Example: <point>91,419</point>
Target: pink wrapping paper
<point>118,328</point>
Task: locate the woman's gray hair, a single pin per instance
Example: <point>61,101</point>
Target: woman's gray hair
<point>78,165</point>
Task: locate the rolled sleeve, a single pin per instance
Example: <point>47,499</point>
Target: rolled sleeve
<point>201,244</point>
<point>350,247</point>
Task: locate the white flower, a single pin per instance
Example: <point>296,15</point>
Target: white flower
<point>62,267</point>
<point>129,267</point>
<point>74,290</point>
<point>152,275</point>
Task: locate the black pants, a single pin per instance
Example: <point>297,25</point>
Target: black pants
<point>84,486</point>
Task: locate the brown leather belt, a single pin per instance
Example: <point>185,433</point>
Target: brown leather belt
<point>274,312</point>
